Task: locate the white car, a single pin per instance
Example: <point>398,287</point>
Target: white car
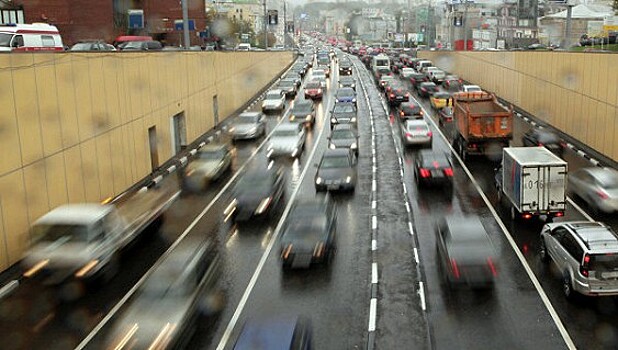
<point>274,100</point>
<point>416,132</point>
<point>319,75</point>
<point>407,72</point>
<point>472,88</point>
<point>288,139</point>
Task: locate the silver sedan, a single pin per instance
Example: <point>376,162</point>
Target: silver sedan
<point>598,187</point>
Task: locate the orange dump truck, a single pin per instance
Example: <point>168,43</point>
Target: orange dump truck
<point>483,125</point>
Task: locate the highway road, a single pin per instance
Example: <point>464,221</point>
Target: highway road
<point>383,290</point>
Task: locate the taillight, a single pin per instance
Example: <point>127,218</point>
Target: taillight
<point>540,144</point>
<point>408,134</point>
<point>583,269</point>
<point>407,94</point>
<point>602,194</point>
<point>492,267</point>
<point>448,172</point>
<point>392,95</point>
<point>560,214</point>
<point>421,113</point>
<point>424,173</point>
<point>401,113</point>
<point>429,133</point>
<point>527,216</point>
<point>455,268</point>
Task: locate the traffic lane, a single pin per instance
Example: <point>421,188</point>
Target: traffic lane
<point>467,318</point>
<point>335,297</point>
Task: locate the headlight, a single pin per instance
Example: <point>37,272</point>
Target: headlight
<point>353,100</point>
<point>253,129</point>
<point>263,205</point>
<point>332,146</point>
<point>354,145</point>
<point>318,180</point>
<point>353,120</point>
<point>348,179</point>
<point>308,117</point>
<point>232,129</point>
<point>333,120</point>
<point>320,90</point>
<point>353,86</point>
<point>292,117</point>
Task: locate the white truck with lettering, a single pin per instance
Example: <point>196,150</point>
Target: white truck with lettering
<point>84,241</point>
<point>532,180</point>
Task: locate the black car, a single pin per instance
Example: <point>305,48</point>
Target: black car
<point>433,168</point>
<point>345,67</point>
<point>465,253</point>
<point>257,194</point>
<point>309,233</point>
<point>343,113</point>
<point>343,136</point>
<point>347,81</point>
<point>543,137</point>
<point>288,86</point>
<point>445,115</point>
<point>303,112</point>
<point>396,93</point>
<point>416,79</point>
<point>336,171</point>
<point>295,78</point>
<point>409,110</point>
<point>427,89</point>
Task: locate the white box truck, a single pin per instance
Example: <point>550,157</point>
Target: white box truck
<point>532,180</point>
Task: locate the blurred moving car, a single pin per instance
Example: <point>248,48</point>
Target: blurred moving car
<point>288,86</point>
<point>336,171</point>
<point>343,136</point>
<point>440,100</point>
<point>313,90</point>
<point>347,81</point>
<point>274,100</point>
<point>309,233</point>
<point>343,113</point>
<point>151,45</point>
<point>585,254</point>
<point>598,187</point>
<point>303,112</point>
<point>165,310</point>
<point>281,333</point>
<point>542,137</point>
<point>211,161</point>
<point>427,89</point>
<point>409,110</point>
<point>465,254</point>
<point>248,125</point>
<point>433,168</point>
<point>345,95</point>
<point>416,133</point>
<point>92,45</point>
<point>256,194</point>
<point>288,139</point>
<point>445,115</point>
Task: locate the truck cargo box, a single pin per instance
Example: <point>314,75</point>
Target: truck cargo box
<point>479,116</point>
<point>534,181</point>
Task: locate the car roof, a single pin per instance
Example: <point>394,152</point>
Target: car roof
<point>343,127</point>
<point>288,126</point>
<point>250,114</point>
<point>279,91</point>
<point>337,152</point>
<point>595,235</point>
<point>465,228</point>
<point>76,214</point>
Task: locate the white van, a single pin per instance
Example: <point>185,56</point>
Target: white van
<point>30,37</point>
<point>243,47</point>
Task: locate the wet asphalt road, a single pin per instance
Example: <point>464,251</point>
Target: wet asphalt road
<point>337,297</point>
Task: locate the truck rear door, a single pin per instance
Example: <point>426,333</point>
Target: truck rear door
<point>543,188</point>
<point>556,187</point>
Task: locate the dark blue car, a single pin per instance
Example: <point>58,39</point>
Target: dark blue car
<point>346,94</point>
<point>281,333</point>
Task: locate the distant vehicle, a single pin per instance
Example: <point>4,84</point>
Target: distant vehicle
<point>483,125</point>
<point>343,113</point>
<point>433,168</point>
<point>396,93</point>
<point>256,194</point>
<point>325,68</point>
<point>183,288</point>
<point>452,83</point>
<point>274,100</point>
<point>82,242</point>
<point>210,163</point>
<point>345,95</point>
<point>288,86</point>
<point>248,125</point>
<point>406,72</point>
<point>471,88</point>
<point>586,257</point>
<point>345,68</point>
<point>319,75</point>
<point>95,45</point>
<point>123,39</point>
<point>409,110</point>
<point>313,90</point>
<point>30,37</point>
<point>347,81</point>
<point>416,79</point>
<point>243,47</point>
<point>141,46</point>
<point>543,138</point>
<point>384,81</point>
<point>427,89</point>
<point>380,61</point>
<point>465,254</point>
<point>275,333</point>
<point>416,133</point>
<point>309,233</point>
<point>598,187</point>
<point>288,139</point>
<point>440,100</point>
<point>343,136</point>
<point>533,182</point>
<point>336,171</point>
<point>445,116</point>
<point>303,112</point>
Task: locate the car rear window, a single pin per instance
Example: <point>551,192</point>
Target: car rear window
<point>604,262</point>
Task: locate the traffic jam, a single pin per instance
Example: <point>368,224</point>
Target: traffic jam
<point>367,199</point>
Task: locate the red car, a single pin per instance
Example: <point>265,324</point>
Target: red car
<point>313,90</point>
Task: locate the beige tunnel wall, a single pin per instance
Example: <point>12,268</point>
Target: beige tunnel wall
<point>575,92</point>
<point>74,126</point>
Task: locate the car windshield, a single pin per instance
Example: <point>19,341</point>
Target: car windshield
<point>342,134</point>
<point>302,108</point>
<point>346,93</point>
<point>285,133</point>
<point>254,183</point>
<point>273,96</point>
<point>417,127</point>
<point>5,39</point>
<point>81,47</point>
<point>310,228</point>
<point>286,83</point>
<point>330,162</point>
<point>247,119</point>
<point>343,108</point>
<point>312,85</point>
<point>409,110</point>
<point>60,233</point>
<point>211,154</point>
<point>133,45</point>
<point>603,262</point>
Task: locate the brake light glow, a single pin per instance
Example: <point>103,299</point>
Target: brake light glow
<point>527,216</point>
<point>583,269</point>
<point>424,173</point>
<point>492,267</point>
<point>540,144</point>
<point>560,214</point>
<point>429,133</point>
<point>435,164</point>
<point>392,95</point>
<point>602,194</point>
<point>455,268</point>
<point>448,172</point>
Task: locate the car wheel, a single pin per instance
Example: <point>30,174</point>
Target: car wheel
<point>514,214</point>
<point>567,287</point>
<point>543,252</point>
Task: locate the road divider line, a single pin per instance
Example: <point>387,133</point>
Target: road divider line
<point>421,294</point>
<point>373,306</point>
<point>374,273</point>
<point>416,256</point>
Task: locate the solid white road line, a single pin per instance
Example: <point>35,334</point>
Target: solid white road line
<point>374,244</point>
<point>374,222</point>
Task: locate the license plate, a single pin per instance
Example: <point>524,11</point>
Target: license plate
<point>609,274</point>
<point>436,173</point>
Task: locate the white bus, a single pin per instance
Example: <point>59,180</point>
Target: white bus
<point>380,61</point>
